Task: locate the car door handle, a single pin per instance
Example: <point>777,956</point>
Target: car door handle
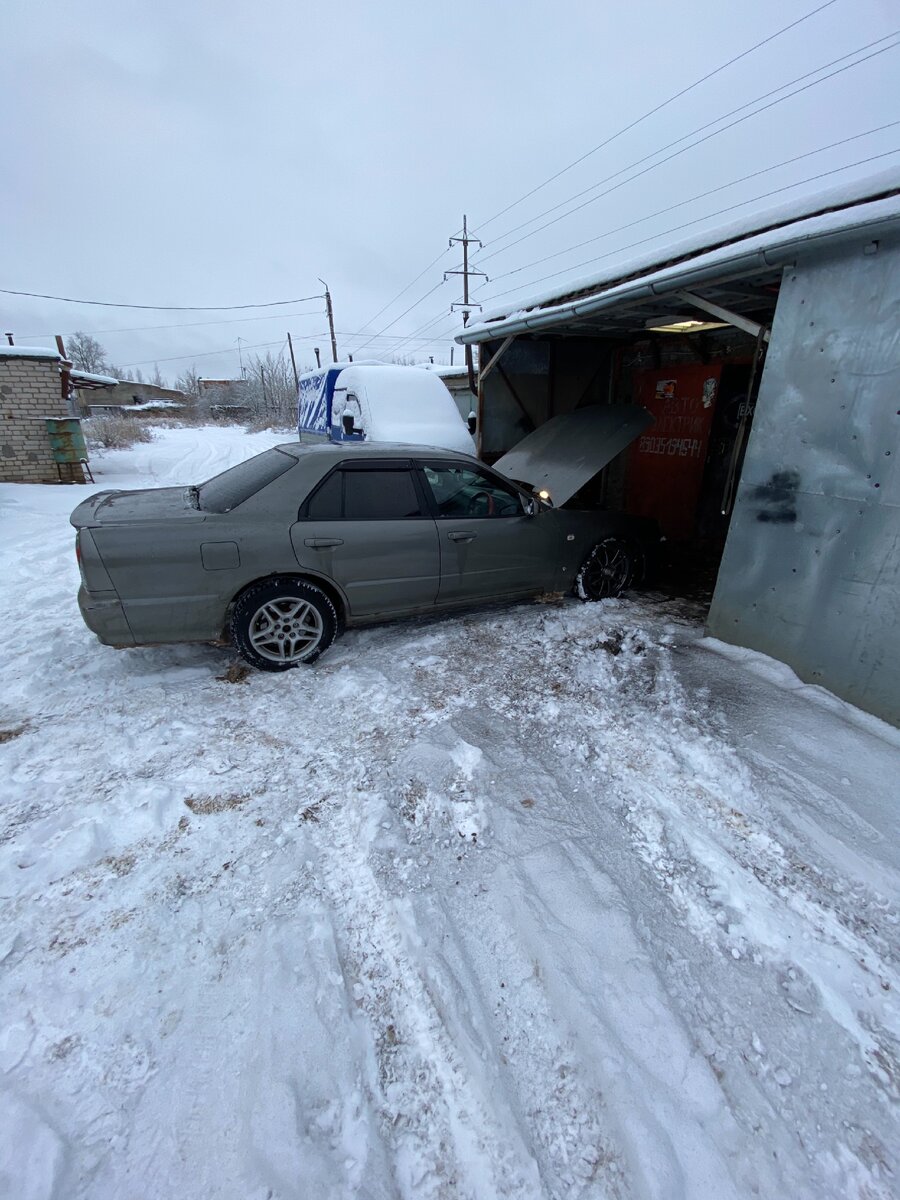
<point>322,543</point>
<point>462,535</point>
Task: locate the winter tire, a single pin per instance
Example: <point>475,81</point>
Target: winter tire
<point>281,623</point>
<point>607,570</point>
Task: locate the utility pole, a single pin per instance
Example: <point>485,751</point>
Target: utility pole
<point>240,357</point>
<point>329,312</point>
<point>9,338</point>
<point>318,356</point>
<point>465,241</point>
<point>262,376</point>
<point>294,363</point>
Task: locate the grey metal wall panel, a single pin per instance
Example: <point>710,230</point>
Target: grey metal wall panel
<point>810,573</point>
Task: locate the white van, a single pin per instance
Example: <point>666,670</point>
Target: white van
<point>381,403</point>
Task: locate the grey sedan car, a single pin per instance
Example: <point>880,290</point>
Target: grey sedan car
<point>283,551</point>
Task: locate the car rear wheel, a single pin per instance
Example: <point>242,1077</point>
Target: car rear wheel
<point>281,623</point>
<point>607,570</point>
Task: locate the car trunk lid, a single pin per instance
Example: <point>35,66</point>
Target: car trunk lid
<point>136,507</point>
<point>563,454</point>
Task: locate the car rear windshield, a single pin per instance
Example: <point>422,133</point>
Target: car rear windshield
<point>226,491</point>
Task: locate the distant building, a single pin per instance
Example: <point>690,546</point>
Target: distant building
<point>226,397</point>
<point>129,396</point>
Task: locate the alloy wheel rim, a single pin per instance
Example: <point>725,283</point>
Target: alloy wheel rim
<point>609,569</point>
<point>286,630</point>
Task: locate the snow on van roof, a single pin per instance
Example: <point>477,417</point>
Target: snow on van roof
<point>318,372</point>
<point>409,405</point>
<point>840,207</point>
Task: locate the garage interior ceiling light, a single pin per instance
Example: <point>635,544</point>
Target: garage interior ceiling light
<point>684,325</point>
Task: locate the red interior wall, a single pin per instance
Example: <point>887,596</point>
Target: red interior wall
<point>665,465</point>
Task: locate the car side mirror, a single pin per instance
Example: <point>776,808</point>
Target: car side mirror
<point>530,506</point>
<point>349,425</point>
<point>472,422</point>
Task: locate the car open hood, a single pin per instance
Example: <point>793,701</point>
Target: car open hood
<point>128,507</point>
<point>567,451</point>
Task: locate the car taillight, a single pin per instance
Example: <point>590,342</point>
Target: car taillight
<point>78,548</point>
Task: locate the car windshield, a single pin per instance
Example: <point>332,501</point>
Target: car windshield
<point>224,492</point>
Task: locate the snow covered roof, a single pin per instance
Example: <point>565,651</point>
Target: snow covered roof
<point>80,379</point>
<point>29,352</point>
<point>764,239</point>
<point>445,371</point>
<point>87,379</point>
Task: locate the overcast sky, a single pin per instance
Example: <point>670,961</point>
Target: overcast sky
<point>228,153</point>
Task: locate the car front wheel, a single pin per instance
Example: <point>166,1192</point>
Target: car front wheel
<point>607,570</point>
<point>281,623</point>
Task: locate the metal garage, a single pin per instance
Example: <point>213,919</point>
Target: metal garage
<point>769,356</point>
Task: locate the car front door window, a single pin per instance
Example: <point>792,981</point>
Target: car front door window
<point>460,491</point>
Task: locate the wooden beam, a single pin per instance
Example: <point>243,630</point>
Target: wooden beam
<point>724,314</point>
<point>495,358</point>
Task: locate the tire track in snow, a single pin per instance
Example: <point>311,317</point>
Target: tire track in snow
<point>451,1139</point>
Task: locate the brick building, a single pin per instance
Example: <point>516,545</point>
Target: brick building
<point>35,384</point>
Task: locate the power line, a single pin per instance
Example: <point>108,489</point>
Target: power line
<point>435,337</point>
<point>310,312</point>
<point>263,345</point>
<point>390,337</point>
<point>692,133</point>
<point>722,129</point>
<point>658,108</point>
<point>684,149</point>
<point>692,199</point>
<point>706,217</point>
<point>203,354</point>
<point>403,291</point>
<point>391,324</point>
<point>162,307</point>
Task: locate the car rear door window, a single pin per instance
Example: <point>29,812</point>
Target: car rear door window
<point>382,494</point>
<point>326,502</point>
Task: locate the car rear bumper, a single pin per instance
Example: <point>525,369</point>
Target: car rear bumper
<point>103,614</point>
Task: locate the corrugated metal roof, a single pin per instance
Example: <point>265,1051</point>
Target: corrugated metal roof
<point>758,242</point>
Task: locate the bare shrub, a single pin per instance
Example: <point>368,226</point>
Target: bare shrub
<point>266,422</point>
<point>112,431</point>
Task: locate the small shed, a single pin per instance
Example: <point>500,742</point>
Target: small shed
<point>767,353</point>
<point>37,385</point>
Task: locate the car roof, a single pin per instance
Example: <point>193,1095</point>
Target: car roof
<point>369,450</point>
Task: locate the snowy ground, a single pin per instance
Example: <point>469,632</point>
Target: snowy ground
<point>556,901</point>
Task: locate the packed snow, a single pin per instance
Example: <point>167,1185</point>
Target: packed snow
<point>550,901</point>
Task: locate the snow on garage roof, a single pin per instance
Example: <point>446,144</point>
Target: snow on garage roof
<point>760,235</point>
<point>88,379</point>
